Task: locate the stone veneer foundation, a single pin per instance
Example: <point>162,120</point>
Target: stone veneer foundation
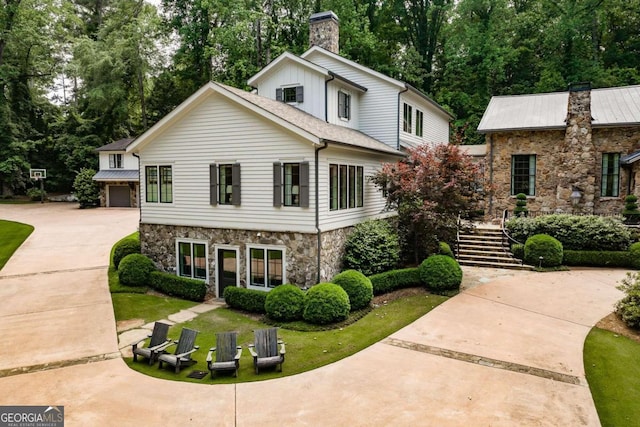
<point>159,243</point>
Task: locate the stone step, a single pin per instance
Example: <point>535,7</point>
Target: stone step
<point>480,252</point>
<point>479,246</point>
<point>481,238</point>
<point>488,258</point>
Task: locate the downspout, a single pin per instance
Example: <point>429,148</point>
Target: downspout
<point>326,93</point>
<point>490,172</point>
<point>318,232</point>
<point>139,195</point>
<point>406,89</point>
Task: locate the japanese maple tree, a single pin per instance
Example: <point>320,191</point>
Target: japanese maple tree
<point>429,188</point>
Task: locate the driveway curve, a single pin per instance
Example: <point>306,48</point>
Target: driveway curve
<point>506,352</point>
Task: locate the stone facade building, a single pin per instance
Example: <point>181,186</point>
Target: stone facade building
<point>569,152</point>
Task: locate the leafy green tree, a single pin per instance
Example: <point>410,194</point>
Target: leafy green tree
<point>86,189</point>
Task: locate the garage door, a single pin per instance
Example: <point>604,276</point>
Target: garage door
<point>119,196</point>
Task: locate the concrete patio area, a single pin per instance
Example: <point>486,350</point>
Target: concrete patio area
<point>506,351</point>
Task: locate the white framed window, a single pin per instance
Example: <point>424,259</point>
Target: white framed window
<point>407,117</point>
<point>419,122</point>
<point>158,184</point>
<point>192,256</point>
<point>346,186</point>
<point>344,105</point>
<point>115,161</point>
<point>266,266</point>
<point>290,94</point>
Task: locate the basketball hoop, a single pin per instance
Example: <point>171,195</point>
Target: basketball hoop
<point>39,175</point>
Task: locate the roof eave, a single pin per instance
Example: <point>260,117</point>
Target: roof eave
<point>393,153</point>
<point>524,129</point>
<point>429,100</point>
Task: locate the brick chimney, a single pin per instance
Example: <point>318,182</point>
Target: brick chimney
<point>578,152</point>
<point>324,31</point>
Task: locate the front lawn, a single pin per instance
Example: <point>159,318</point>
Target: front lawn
<point>305,350</point>
<point>612,366</point>
<point>149,308</point>
<point>13,234</point>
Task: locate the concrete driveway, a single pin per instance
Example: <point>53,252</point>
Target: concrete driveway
<point>507,352</point>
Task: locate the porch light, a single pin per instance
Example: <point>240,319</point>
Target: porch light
<point>575,197</point>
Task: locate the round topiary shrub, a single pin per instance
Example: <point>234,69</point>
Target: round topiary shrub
<point>357,286</point>
<point>124,247</point>
<point>285,302</point>
<point>440,273</point>
<point>545,246</point>
<point>521,205</point>
<point>634,255</point>
<point>135,270</point>
<point>325,303</point>
<point>373,247</point>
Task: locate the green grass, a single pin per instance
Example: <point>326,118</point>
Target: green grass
<point>305,350</point>
<point>612,365</point>
<point>13,234</point>
<point>147,307</point>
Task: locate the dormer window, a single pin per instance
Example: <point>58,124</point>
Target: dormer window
<point>115,161</point>
<point>344,105</point>
<point>290,95</point>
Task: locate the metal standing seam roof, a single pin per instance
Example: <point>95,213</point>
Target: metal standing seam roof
<point>117,175</point>
<point>618,106</point>
<point>319,128</point>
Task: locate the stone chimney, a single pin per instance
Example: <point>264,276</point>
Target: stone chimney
<point>578,152</point>
<point>324,31</point>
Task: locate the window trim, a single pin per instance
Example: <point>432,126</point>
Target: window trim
<point>407,117</point>
<point>265,259</point>
<point>344,105</point>
<point>298,95</point>
<point>116,161</point>
<point>193,242</point>
<point>531,176</point>
<point>614,175</point>
<point>340,194</point>
<point>215,184</point>
<point>217,270</point>
<point>419,123</point>
<point>159,193</point>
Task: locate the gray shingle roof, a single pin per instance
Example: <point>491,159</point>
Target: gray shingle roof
<point>311,124</point>
<point>618,106</point>
<point>117,175</point>
<point>119,145</point>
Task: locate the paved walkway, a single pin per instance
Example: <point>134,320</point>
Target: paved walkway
<point>507,351</point>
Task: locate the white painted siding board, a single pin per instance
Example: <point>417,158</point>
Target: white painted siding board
<point>128,161</point>
<point>378,112</point>
<point>435,125</point>
<point>219,131</point>
<point>291,74</point>
<point>332,106</point>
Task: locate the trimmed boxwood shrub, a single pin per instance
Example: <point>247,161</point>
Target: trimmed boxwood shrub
<point>177,286</point>
<point>250,300</point>
<point>634,256</point>
<point>440,273</point>
<point>628,308</point>
<point>134,270</point>
<point>575,232</point>
<point>326,303</point>
<point>124,247</point>
<point>521,205</point>
<point>597,258</point>
<point>357,286</point>
<point>372,247</point>
<point>517,249</point>
<point>395,279</point>
<point>285,302</point>
<point>445,249</point>
<point>545,246</point>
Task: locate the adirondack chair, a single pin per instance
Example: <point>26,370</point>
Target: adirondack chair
<point>265,349</point>
<point>227,353</point>
<point>182,356</point>
<point>157,344</point>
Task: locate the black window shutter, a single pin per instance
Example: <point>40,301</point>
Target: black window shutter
<point>277,184</point>
<point>213,184</point>
<point>304,184</point>
<point>347,107</point>
<point>278,94</point>
<point>299,94</point>
<point>235,178</point>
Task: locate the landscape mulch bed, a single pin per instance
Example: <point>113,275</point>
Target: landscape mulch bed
<point>614,324</point>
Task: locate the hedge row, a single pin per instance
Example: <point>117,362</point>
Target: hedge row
<point>395,279</point>
<point>250,300</point>
<point>598,258</point>
<point>183,287</point>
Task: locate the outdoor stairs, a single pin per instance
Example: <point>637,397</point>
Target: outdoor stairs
<point>487,247</point>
